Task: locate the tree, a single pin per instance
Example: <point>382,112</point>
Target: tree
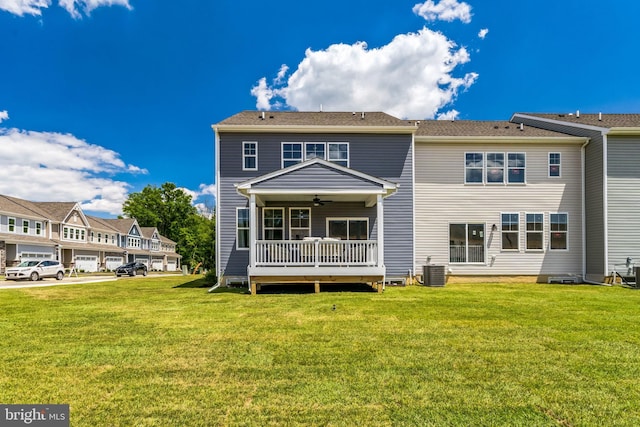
<point>170,210</point>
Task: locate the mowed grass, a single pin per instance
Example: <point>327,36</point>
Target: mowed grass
<point>164,352</point>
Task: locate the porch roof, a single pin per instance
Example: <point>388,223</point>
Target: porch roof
<point>317,178</point>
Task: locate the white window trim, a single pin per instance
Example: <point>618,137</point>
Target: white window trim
<point>28,224</point>
<point>508,168</point>
<point>72,233</point>
<point>466,231</point>
<point>282,159</point>
<point>38,230</point>
<point>328,148</point>
<point>465,167</point>
<point>486,167</point>
<point>264,228</point>
<point>248,228</point>
<point>9,230</point>
<point>502,231</point>
<point>291,228</point>
<point>245,155</point>
<point>566,232</point>
<point>347,218</point>
<point>526,232</point>
<point>559,164</point>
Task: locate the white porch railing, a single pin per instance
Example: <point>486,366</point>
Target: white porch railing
<point>469,254</point>
<point>316,252</point>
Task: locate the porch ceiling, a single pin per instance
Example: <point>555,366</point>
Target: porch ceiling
<point>369,198</point>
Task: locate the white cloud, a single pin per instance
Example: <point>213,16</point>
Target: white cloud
<point>448,115</point>
<point>411,77</point>
<point>74,7</point>
<point>4,115</point>
<point>444,10</point>
<point>50,166</point>
<point>24,7</point>
<point>483,33</point>
<point>87,6</point>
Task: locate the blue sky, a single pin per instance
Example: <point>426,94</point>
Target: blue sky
<point>99,98</point>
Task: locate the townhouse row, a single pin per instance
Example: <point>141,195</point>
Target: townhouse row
<point>61,231</point>
<point>367,197</point>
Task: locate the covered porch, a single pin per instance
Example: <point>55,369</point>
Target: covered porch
<point>329,229</point>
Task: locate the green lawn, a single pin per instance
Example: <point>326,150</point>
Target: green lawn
<point>164,352</point>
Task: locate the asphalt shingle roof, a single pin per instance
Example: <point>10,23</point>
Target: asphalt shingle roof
<point>465,128</point>
<point>318,118</point>
<point>604,120</point>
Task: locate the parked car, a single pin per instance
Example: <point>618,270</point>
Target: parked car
<point>35,270</point>
<point>131,269</point>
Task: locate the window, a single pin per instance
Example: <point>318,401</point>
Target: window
<point>38,228</point>
<point>65,233</point>
<point>242,228</point>
<point>554,165</point>
<point>72,233</point>
<point>516,166</point>
<point>299,223</point>
<point>273,223</point>
<point>535,231</point>
<point>249,156</point>
<point>133,242</point>
<point>466,243</point>
<point>313,150</point>
<point>91,236</point>
<point>339,153</point>
<point>510,231</point>
<point>558,227</point>
<point>473,168</point>
<point>495,168</point>
<point>25,226</point>
<point>12,225</point>
<point>99,237</point>
<point>291,153</point>
<point>348,228</point>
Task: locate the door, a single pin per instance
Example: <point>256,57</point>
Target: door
<point>466,243</point>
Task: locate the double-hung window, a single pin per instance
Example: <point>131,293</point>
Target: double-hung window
<point>291,153</point>
<point>558,227</point>
<point>495,168</point>
<point>11,225</point>
<point>299,223</point>
<point>38,228</point>
<point>554,165</point>
<point>25,226</point>
<point>510,231</point>
<point>314,150</point>
<point>249,156</point>
<point>273,223</point>
<point>473,168</point>
<point>535,230</point>
<point>516,163</point>
<point>339,153</point>
<point>242,228</point>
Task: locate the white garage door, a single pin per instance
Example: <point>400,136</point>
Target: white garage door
<point>87,263</point>
<point>156,265</point>
<point>171,266</point>
<point>113,262</point>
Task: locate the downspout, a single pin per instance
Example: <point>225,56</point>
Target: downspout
<point>216,151</point>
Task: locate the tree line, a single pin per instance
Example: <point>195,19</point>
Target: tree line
<point>170,210</point>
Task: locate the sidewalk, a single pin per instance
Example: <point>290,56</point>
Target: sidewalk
<point>18,284</point>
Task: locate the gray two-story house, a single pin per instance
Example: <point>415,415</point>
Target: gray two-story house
<point>314,197</point>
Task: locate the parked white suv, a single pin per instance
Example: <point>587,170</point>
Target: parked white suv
<point>35,270</point>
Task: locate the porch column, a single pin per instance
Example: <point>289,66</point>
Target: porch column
<point>380,206</point>
<point>253,230</point>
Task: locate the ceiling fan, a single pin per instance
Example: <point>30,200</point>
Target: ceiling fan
<point>318,202</point>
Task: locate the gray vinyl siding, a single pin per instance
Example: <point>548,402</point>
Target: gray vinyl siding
<point>385,156</point>
<point>623,165</point>
<point>594,194</point>
<point>317,176</point>
<point>442,198</point>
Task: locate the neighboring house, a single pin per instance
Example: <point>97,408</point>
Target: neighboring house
<point>612,185</point>
<point>314,197</point>
<point>61,231</point>
<point>496,199</point>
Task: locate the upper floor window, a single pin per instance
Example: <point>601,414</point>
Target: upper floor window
<point>473,168</point>
<point>38,228</point>
<point>554,165</point>
<point>495,168</point>
<point>25,226</point>
<point>516,166</point>
<point>72,233</point>
<point>339,153</point>
<point>291,153</point>
<point>133,242</point>
<point>242,228</point>
<point>249,156</point>
<point>11,225</point>
<point>558,227</point>
<point>510,231</point>
<point>99,237</point>
<point>314,150</point>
